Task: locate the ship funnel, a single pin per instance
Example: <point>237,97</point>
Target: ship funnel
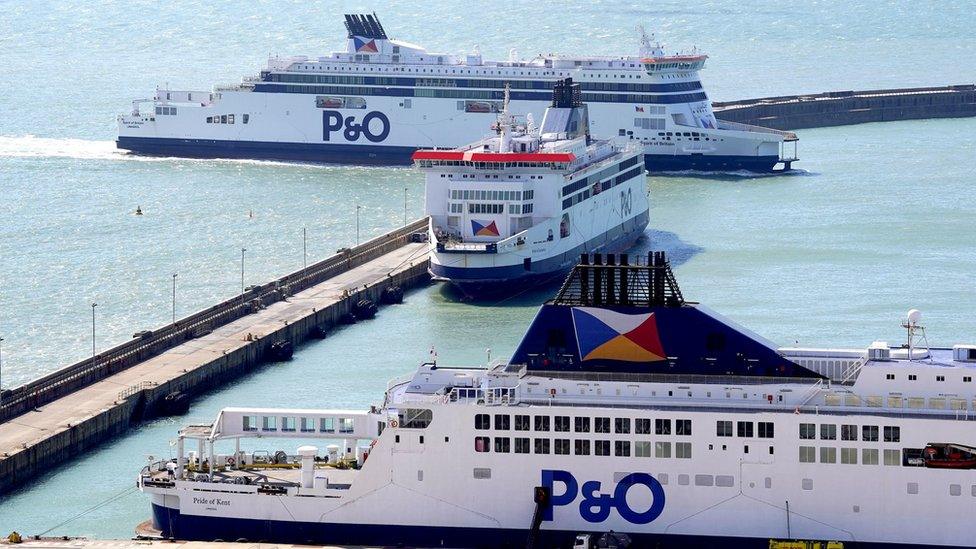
<point>567,116</point>
<point>609,280</point>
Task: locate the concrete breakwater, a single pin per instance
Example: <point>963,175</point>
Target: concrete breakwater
<point>48,421</point>
<point>841,108</point>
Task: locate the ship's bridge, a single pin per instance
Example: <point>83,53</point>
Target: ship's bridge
<point>673,63</point>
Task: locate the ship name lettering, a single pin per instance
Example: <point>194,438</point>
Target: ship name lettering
<point>211,501</point>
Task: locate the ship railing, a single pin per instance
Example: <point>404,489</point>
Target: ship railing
<point>812,392</point>
<point>852,372</point>
<point>740,127</point>
<point>399,380</point>
<point>729,380</point>
<point>196,97</point>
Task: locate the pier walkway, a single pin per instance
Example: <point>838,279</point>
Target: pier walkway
<point>56,429</point>
<point>839,108</point>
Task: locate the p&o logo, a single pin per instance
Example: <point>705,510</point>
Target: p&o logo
<point>375,126</point>
<point>626,202</point>
<point>595,506</point>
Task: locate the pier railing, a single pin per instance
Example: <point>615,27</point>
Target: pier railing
<point>111,361</point>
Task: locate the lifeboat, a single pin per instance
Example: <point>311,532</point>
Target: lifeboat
<point>949,456</point>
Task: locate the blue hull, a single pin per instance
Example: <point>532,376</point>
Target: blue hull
<point>491,281</point>
<point>369,155</point>
<point>709,163</point>
<point>380,155</point>
<point>189,527</point>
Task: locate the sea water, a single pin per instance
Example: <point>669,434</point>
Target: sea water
<point>878,218</point>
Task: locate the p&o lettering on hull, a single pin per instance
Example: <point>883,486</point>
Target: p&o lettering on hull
<point>595,506</point>
<point>375,126</point>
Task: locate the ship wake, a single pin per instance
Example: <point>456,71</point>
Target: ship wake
<point>30,146</point>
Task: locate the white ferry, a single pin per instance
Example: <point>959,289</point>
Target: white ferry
<point>520,208</point>
<point>382,99</point>
<point>624,408</point>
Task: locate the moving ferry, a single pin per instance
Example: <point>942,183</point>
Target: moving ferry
<point>519,208</point>
<point>381,99</point>
<point>625,408</point>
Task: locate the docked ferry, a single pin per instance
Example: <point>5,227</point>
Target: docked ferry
<point>625,408</point>
<point>381,99</point>
<point>519,208</point>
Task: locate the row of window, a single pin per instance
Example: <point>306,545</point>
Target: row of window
<point>440,61</point>
<point>166,111</point>
<point>745,429</point>
<point>576,199</point>
<point>954,489</point>
<point>599,187</point>
<point>869,433</point>
<point>479,208</point>
<point>227,119</point>
<point>897,401</point>
<point>457,194</point>
<point>914,377</point>
<point>474,83</point>
<point>582,447</point>
<point>849,456</point>
<point>595,178</point>
<point>648,124</point>
<point>490,166</point>
<point>477,94</point>
<point>304,424</point>
<point>679,134</point>
<point>683,65</point>
<point>583,424</point>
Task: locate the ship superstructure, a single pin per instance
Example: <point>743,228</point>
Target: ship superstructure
<point>519,208</point>
<point>624,408</point>
<point>381,99</point>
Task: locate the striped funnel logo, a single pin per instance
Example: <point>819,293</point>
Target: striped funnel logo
<point>365,44</point>
<point>484,228</point>
<point>608,335</point>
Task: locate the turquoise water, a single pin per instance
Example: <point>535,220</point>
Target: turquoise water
<point>878,221</point>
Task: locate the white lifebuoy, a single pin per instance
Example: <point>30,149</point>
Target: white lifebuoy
<point>394,423</point>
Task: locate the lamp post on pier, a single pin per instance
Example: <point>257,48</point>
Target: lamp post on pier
<point>93,333</point>
<point>1,372</point>
<point>174,298</point>
<point>358,207</point>
<point>304,247</point>
<point>405,206</point>
<point>242,273</point>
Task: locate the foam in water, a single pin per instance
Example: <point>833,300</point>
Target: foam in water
<point>30,146</point>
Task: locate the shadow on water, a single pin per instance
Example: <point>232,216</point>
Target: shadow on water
<point>677,250</point>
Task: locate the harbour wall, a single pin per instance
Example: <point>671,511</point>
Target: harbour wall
<point>62,442</point>
<point>792,112</point>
